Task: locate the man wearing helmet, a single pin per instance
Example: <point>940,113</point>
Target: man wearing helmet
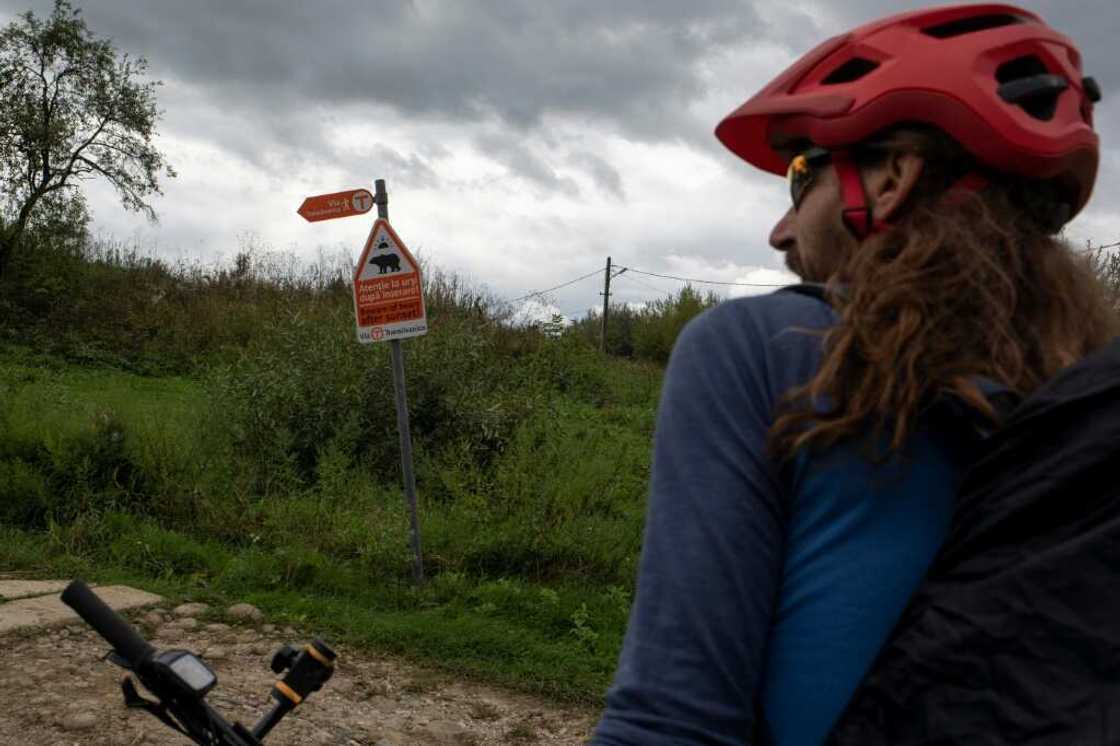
<point>808,453</point>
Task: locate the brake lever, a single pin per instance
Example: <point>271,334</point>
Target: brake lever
<point>117,659</point>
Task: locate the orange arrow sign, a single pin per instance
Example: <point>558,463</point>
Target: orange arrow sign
<point>336,205</point>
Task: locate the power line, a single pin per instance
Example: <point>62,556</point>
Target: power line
<point>651,287</point>
<point>710,282</point>
<point>549,290</point>
<point>685,279</point>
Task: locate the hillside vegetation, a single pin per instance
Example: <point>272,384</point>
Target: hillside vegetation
<point>218,433</point>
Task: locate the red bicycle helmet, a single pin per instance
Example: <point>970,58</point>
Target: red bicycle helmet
<point>996,78</point>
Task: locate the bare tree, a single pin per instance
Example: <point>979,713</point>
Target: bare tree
<point>71,108</point>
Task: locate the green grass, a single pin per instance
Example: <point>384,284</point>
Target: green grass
<point>50,396</point>
<point>218,435</point>
<point>88,439</point>
<point>556,640</point>
<point>530,552</point>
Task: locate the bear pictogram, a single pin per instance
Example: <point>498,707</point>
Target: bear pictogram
<point>386,262</point>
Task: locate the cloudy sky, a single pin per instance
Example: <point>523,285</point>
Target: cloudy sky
<point>523,141</point>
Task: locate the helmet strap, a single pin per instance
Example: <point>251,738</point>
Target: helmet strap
<point>856,212</point>
<point>973,181</point>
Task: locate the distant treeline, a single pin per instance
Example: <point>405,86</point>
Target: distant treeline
<point>108,303</point>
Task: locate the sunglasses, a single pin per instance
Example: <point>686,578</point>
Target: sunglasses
<point>803,170</point>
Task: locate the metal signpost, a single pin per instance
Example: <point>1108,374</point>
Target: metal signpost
<point>388,307</point>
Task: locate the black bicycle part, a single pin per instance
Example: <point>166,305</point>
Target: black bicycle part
<point>308,670</point>
<point>180,681</point>
<point>126,641</point>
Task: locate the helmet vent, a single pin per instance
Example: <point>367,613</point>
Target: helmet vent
<point>970,25</point>
<point>850,71</point>
<point>1025,82</point>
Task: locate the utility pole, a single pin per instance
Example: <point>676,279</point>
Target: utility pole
<point>606,305</point>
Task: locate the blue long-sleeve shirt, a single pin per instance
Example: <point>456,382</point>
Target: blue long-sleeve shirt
<point>764,593</point>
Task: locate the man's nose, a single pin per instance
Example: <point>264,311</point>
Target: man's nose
<point>782,237</point>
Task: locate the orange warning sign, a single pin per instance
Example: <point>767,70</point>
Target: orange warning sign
<point>388,303</point>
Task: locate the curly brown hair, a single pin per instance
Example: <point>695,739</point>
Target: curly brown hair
<point>976,286</point>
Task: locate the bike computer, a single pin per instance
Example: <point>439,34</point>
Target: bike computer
<point>192,674</point>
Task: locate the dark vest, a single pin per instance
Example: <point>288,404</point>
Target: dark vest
<point>1014,635</point>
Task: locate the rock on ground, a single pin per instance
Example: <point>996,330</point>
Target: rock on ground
<point>64,694</point>
<point>245,611</point>
<point>191,610</point>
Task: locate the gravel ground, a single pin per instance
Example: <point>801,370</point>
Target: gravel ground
<point>59,692</point>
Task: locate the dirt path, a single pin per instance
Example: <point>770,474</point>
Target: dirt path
<point>57,692</point>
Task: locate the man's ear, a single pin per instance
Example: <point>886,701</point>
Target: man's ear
<point>891,183</point>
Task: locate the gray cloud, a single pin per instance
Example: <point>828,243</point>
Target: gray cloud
<point>605,176</point>
<point>628,65</point>
<point>632,63</point>
<point>263,78</point>
<point>512,152</point>
<point>517,59</point>
<point>407,171</point>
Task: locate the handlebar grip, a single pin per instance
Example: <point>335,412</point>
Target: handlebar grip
<point>107,623</point>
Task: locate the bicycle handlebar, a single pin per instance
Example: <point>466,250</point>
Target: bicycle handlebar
<point>180,681</point>
<point>109,624</point>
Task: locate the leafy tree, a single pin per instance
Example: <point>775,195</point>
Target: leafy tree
<point>71,108</point>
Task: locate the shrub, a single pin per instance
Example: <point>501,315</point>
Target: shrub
<point>66,473</point>
<point>300,385</point>
<point>23,494</point>
<point>648,333</point>
<point>306,389</point>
